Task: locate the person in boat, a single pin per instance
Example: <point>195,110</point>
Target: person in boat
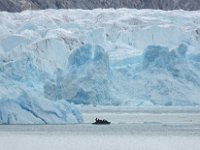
<point>97,120</point>
<point>100,121</point>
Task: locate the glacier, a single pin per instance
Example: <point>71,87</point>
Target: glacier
<point>52,60</point>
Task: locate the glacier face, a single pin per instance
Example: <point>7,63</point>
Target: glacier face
<point>86,80</point>
<point>165,77</point>
<point>22,104</point>
<point>51,58</point>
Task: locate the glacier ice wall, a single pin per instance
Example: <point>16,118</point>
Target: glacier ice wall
<point>98,57</point>
<point>86,80</point>
<point>21,104</point>
<point>164,77</point>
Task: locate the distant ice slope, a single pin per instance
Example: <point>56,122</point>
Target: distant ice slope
<point>107,57</point>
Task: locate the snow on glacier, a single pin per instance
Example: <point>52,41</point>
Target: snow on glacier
<point>51,58</point>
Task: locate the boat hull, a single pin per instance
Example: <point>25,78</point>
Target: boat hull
<point>105,123</point>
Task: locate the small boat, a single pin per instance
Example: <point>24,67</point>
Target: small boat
<point>101,122</point>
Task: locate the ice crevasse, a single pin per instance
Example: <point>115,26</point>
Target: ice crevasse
<point>51,60</point>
